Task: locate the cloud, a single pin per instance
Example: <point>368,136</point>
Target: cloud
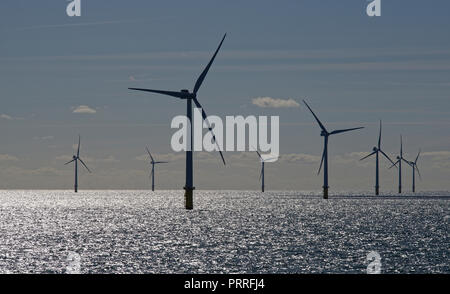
<point>439,154</point>
<point>5,116</point>
<point>439,159</point>
<point>44,171</point>
<point>77,24</point>
<point>86,159</point>
<point>171,157</point>
<point>7,157</point>
<point>44,138</point>
<point>63,158</point>
<point>300,158</point>
<point>84,109</point>
<point>109,159</point>
<point>268,102</point>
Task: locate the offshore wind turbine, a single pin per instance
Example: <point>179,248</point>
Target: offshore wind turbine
<point>76,158</point>
<point>376,151</point>
<point>153,162</point>
<point>261,176</point>
<point>325,134</point>
<point>399,162</point>
<point>191,97</point>
<point>415,168</point>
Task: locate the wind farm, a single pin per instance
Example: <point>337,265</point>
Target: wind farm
<point>256,138</point>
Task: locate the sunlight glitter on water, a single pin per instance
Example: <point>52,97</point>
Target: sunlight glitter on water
<point>227,232</point>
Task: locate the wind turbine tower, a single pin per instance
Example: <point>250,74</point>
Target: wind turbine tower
<point>325,134</point>
<point>191,97</point>
<point>76,158</point>
<point>153,163</point>
<point>376,151</point>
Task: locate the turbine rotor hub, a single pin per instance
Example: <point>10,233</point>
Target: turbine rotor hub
<point>188,95</point>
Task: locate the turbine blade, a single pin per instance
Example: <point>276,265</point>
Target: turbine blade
<point>395,164</point>
<point>407,162</point>
<point>205,118</point>
<point>148,151</point>
<point>368,155</point>
<point>321,162</point>
<point>202,76</point>
<point>418,154</point>
<point>385,155</point>
<point>418,172</point>
<point>69,162</point>
<point>78,150</point>
<point>181,95</point>
<point>317,119</point>
<point>160,162</point>
<point>379,137</point>
<point>401,146</point>
<point>256,150</point>
<point>345,130</point>
<point>84,164</point>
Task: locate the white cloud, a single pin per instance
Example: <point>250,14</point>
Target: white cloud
<point>109,159</point>
<point>268,102</point>
<point>300,158</point>
<point>7,157</point>
<point>84,109</point>
<point>439,154</point>
<point>5,116</point>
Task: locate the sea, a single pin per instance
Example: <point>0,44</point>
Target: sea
<point>281,232</point>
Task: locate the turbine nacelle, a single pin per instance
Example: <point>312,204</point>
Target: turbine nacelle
<point>398,157</point>
<point>187,95</point>
<point>375,149</point>
<point>323,133</point>
<point>74,157</point>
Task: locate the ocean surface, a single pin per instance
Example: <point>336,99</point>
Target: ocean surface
<point>227,232</point>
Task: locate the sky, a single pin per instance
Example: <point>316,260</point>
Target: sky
<point>62,76</point>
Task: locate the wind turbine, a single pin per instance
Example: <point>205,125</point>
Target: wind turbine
<point>415,168</point>
<point>153,162</point>
<point>189,97</point>
<point>399,161</point>
<point>75,159</point>
<point>261,176</point>
<point>325,134</point>
<point>376,151</point>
